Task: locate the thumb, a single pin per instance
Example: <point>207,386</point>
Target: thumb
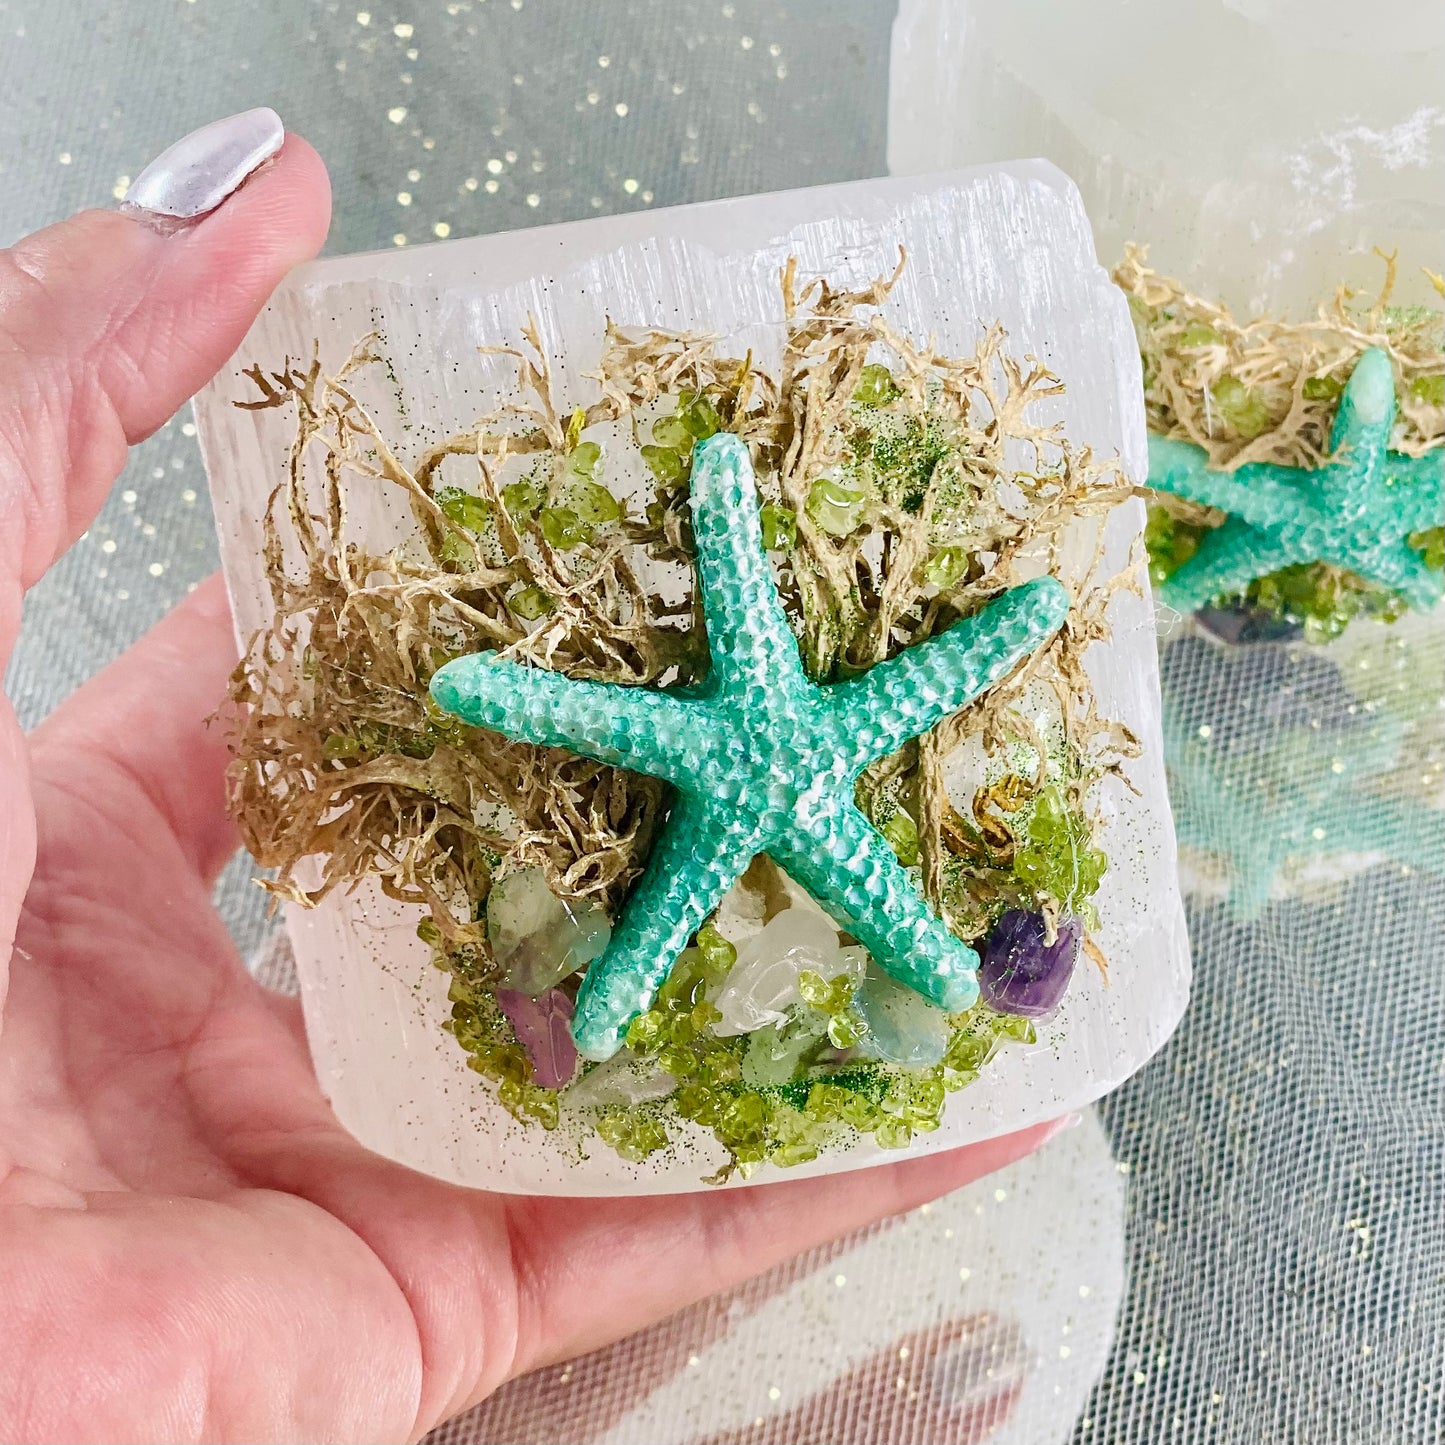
<point>108,322</point>
<point>111,320</point>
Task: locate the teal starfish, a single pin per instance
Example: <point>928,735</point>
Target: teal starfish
<point>1354,511</point>
<point>1296,798</point>
<point>763,760</point>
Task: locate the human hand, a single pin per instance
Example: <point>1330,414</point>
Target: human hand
<point>191,1247</point>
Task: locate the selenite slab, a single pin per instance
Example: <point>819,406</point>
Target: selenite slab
<point>1261,149</point>
<point>1007,243</point>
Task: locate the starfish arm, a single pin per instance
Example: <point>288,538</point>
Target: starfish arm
<point>1401,568</point>
<point>1228,560</point>
<point>700,854</point>
<point>1360,437</point>
<point>747,630</point>
<point>1254,871</point>
<point>875,714</point>
<point>638,728</point>
<point>845,864</point>
<point>1404,830</point>
<point>1413,490</point>
<point>1262,494</point>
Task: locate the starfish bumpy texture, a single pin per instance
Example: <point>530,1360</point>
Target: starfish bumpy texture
<point>1354,511</point>
<point>763,760</point>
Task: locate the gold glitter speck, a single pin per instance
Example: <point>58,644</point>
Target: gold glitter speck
<point>156,568</point>
<point>533,199</point>
<point>965,1274</point>
<point>403,198</point>
<point>399,239</point>
<point>470,183</point>
<point>620,107</point>
<point>64,158</point>
<point>108,545</point>
<point>630,186</point>
<point>402,31</point>
<point>121,186</point>
<point>363,17</point>
<point>442,229</point>
<point>494,166</point>
<point>396,114</point>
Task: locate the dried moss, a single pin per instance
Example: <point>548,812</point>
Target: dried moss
<point>1266,390</point>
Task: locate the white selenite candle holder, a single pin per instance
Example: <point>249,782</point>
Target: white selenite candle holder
<point>1005,243</point>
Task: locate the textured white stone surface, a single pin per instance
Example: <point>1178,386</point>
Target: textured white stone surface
<point>1010,243</point>
<point>1262,148</point>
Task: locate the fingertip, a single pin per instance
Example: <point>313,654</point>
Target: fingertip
<point>209,603</point>
<point>931,1175</point>
<point>283,209</point>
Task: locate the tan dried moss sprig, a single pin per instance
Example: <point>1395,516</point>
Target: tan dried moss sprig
<point>341,756</point>
<point>955,483</point>
<point>1265,390</point>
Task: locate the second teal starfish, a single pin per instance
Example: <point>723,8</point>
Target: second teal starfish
<point>1354,511</point>
<point>763,760</point>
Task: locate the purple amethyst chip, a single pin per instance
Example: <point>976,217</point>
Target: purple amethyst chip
<point>1023,974</point>
<point>541,1026</point>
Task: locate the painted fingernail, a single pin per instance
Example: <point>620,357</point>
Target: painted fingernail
<point>200,170</point>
